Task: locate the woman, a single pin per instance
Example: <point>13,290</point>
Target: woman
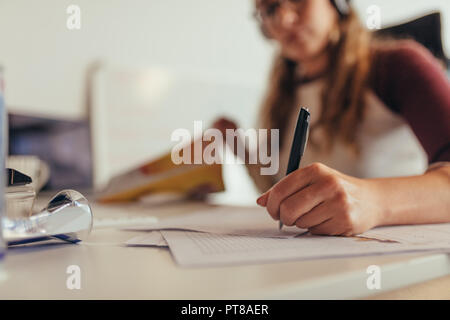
<point>378,109</point>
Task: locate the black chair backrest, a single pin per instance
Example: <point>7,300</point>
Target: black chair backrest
<point>425,30</point>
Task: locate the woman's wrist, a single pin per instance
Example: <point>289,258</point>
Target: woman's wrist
<point>372,198</point>
<point>382,209</point>
<point>394,199</point>
<point>417,199</point>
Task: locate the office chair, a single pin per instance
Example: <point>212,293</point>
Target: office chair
<point>426,30</point>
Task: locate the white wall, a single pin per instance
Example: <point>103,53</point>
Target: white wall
<point>46,63</point>
<point>215,42</point>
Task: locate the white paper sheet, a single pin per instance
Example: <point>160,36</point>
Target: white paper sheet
<point>148,239</point>
<point>247,221</point>
<point>197,249</point>
<point>241,235</point>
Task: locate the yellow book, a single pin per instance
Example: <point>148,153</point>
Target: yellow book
<point>163,176</point>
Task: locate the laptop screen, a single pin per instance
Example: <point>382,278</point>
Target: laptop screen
<point>63,144</point>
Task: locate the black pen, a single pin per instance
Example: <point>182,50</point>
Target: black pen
<point>298,143</point>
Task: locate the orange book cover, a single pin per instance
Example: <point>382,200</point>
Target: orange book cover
<point>163,176</point>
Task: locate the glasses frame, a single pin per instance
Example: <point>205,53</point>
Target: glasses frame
<point>270,13</point>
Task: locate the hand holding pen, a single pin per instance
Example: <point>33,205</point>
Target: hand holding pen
<point>298,144</point>
<point>319,198</point>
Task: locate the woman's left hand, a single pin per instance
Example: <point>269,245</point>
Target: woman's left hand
<point>324,201</point>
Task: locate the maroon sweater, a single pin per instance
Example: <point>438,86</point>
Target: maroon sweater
<point>411,82</point>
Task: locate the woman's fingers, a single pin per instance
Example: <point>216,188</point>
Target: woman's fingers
<point>286,187</point>
<point>262,200</point>
<point>302,202</point>
<point>331,227</point>
<point>314,217</point>
<point>341,220</point>
<point>293,183</point>
<point>324,228</point>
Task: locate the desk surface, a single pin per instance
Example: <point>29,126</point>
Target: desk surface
<point>109,270</point>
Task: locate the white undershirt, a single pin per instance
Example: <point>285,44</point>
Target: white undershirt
<point>388,146</point>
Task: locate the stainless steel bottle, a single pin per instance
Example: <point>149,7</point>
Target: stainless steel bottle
<point>3,150</point>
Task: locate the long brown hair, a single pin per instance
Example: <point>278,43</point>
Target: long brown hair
<point>343,95</point>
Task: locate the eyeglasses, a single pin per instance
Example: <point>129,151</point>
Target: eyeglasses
<point>269,11</point>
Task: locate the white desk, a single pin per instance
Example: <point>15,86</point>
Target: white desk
<point>110,270</point>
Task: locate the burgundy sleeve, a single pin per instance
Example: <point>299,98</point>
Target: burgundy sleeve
<point>411,82</point>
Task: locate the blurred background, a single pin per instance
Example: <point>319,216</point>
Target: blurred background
<point>99,100</point>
